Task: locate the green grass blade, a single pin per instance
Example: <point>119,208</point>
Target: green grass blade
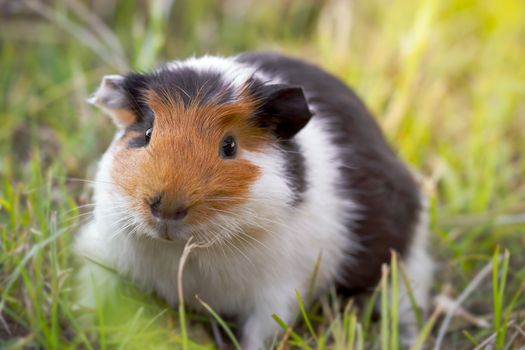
<point>502,328</point>
<point>394,312</point>
<point>302,343</point>
<point>221,322</point>
<point>305,316</point>
<point>385,308</point>
<point>425,332</point>
<point>470,337</point>
<point>410,293</point>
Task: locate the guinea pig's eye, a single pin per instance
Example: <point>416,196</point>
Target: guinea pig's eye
<point>147,135</point>
<point>228,147</point>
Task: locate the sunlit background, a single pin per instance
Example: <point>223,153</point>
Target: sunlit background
<point>445,79</point>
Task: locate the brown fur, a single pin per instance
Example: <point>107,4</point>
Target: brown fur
<point>182,159</point>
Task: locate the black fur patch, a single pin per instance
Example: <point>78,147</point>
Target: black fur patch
<point>373,175</point>
<point>295,169</point>
<point>283,109</point>
<point>134,87</point>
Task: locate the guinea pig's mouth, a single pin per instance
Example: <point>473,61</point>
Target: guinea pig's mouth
<point>172,230</point>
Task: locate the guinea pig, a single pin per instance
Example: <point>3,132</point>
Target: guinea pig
<point>273,166</point>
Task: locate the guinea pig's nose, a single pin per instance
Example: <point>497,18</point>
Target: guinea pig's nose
<point>179,213</point>
<point>167,212</point>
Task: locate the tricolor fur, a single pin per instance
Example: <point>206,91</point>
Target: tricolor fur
<point>312,179</point>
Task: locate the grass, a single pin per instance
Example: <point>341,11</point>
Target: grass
<point>445,79</point>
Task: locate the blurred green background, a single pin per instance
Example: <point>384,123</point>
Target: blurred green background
<point>445,79</point>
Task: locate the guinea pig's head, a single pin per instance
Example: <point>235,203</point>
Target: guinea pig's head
<point>197,152</point>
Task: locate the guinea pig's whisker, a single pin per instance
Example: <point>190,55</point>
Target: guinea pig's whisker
<point>79,207</point>
<point>217,237</point>
<point>225,228</point>
<point>242,253</point>
<point>216,210</point>
<point>212,242</point>
<point>205,244</point>
<point>121,220</point>
<point>126,225</point>
<point>96,182</point>
<point>75,217</point>
<point>243,237</point>
<point>247,216</point>
<point>87,205</point>
<point>235,231</point>
<point>226,199</point>
<point>75,179</point>
<point>216,241</point>
<point>223,249</point>
<point>206,240</point>
<point>119,216</point>
<point>254,222</point>
<point>65,215</point>
<point>294,152</point>
<point>244,234</point>
<point>136,228</point>
<point>229,244</point>
<point>86,217</point>
<point>133,233</point>
<point>66,228</point>
<point>91,213</point>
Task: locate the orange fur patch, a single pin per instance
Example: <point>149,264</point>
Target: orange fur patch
<point>123,116</point>
<point>182,160</point>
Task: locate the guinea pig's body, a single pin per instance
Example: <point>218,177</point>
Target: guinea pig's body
<point>270,164</point>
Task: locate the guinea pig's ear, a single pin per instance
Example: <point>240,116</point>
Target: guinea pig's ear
<point>283,110</point>
<point>111,98</point>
